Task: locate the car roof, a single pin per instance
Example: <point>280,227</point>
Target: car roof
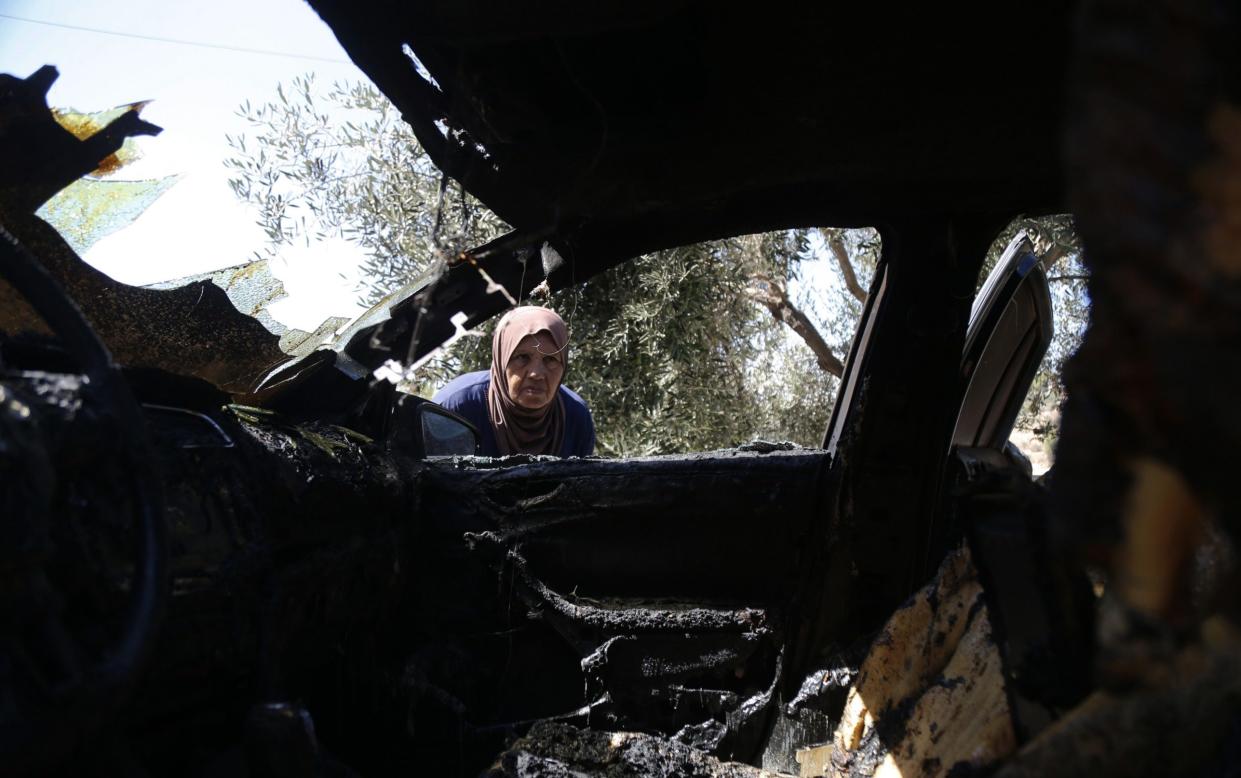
<point>653,124</point>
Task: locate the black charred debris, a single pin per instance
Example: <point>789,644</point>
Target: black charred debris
<point>204,579</point>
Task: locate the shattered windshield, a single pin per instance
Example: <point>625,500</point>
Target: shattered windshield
<point>164,210</point>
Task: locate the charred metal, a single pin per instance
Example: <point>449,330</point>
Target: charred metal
<point>220,560</point>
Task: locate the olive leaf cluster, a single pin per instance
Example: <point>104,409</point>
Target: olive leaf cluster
<point>665,348</point>
<point>341,163</point>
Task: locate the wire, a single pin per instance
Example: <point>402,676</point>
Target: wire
<point>158,39</point>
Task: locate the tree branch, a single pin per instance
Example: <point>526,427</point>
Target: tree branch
<point>1049,249</point>
<point>836,245</point>
<point>774,298</point>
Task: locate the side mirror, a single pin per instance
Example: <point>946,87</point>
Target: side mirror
<point>444,433</point>
<point>420,428</point>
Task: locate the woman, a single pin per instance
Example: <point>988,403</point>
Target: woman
<point>520,406</point>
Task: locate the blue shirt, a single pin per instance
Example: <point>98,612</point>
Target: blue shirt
<point>466,396</point>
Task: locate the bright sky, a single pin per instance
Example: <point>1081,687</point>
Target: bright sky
<point>194,91</point>
<point>198,225</point>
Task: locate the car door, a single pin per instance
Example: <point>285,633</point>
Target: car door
<point>1011,327</point>
<point>644,593</point>
<point>652,593</point>
<point>1040,601</point>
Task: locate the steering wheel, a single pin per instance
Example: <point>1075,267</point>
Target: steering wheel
<point>66,662</point>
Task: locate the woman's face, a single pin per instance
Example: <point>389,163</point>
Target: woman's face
<point>534,371</point>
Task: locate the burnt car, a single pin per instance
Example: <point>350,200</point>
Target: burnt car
<point>311,575</point>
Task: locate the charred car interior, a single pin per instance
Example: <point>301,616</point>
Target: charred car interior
<point>220,560</point>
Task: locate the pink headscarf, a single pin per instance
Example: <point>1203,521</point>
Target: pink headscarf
<point>521,430</point>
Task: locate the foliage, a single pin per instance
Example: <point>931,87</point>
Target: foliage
<point>838,310</point>
<point>669,350</point>
<point>673,356</point>
<point>797,404</point>
<point>665,347</point>
<point>795,394</point>
<point>350,169</point>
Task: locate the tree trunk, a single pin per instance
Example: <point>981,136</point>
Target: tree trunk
<point>775,298</point>
<point>836,245</point>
